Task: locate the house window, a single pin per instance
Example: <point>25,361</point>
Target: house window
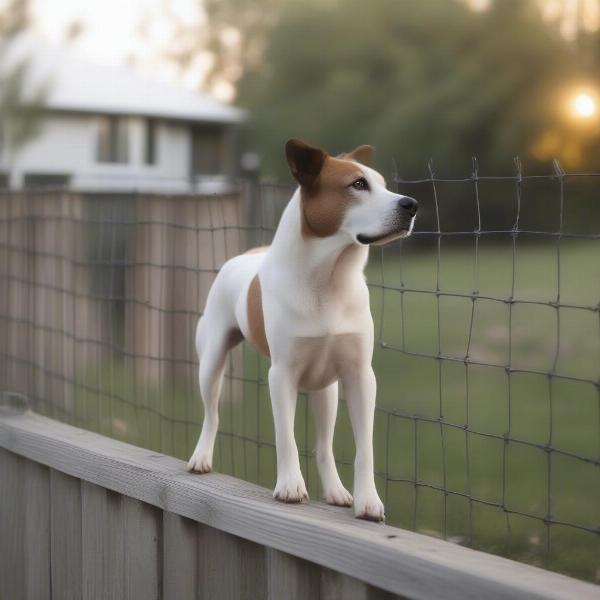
<point>46,180</point>
<point>208,150</point>
<point>113,142</point>
<point>150,142</point>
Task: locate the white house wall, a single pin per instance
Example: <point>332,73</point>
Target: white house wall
<point>62,146</point>
<point>67,144</point>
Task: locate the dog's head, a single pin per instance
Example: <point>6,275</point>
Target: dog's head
<point>343,196</point>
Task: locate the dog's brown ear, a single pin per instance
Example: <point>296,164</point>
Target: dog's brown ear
<point>305,161</point>
<point>362,154</point>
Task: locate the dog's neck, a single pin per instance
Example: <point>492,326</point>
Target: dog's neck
<point>321,261</point>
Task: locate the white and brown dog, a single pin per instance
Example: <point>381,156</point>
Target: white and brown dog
<point>304,302</point>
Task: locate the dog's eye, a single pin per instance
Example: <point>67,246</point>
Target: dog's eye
<point>360,184</point>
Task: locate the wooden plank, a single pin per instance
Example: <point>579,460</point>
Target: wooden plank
<point>374,593</point>
<point>395,560</point>
<point>120,546</point>
<point>336,586</point>
<point>180,557</point>
<point>143,567</point>
<point>93,523</point>
<point>114,545</point>
<point>291,577</point>
<point>102,543</point>
<point>229,567</point>
<point>12,518</point>
<point>36,542</point>
<point>65,508</point>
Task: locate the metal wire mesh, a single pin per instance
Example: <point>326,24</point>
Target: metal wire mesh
<point>487,426</point>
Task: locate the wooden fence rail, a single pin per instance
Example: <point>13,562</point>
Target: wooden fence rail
<point>85,516</point>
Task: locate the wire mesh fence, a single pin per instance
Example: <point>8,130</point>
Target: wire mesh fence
<point>487,353</point>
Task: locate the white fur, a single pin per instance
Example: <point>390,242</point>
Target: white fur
<point>315,300</point>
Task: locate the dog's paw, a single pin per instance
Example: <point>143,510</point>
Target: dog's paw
<point>291,489</point>
<point>369,507</point>
<point>200,463</point>
<point>338,496</point>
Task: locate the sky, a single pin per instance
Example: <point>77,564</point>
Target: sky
<point>110,26</point>
<point>124,32</point>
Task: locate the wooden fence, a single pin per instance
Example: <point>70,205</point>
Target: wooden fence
<point>86,516</point>
<point>87,276</point>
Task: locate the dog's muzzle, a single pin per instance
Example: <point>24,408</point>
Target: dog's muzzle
<point>406,209</point>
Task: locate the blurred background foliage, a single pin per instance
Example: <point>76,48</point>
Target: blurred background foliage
<point>21,106</point>
<point>415,79</point>
<point>418,80</point>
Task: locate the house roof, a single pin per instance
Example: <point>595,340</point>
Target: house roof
<point>76,85</point>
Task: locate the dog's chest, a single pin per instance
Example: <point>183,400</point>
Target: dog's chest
<point>319,361</point>
<point>329,309</point>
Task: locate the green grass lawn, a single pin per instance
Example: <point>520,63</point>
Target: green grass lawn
<point>460,448</point>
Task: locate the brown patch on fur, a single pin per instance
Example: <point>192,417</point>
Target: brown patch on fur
<point>256,320</point>
<point>324,203</point>
<point>257,250</point>
<point>305,161</point>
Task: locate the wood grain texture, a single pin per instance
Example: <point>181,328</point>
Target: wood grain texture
<point>114,545</point>
<point>65,509</point>
<point>12,518</point>
<point>229,567</point>
<point>336,586</point>
<point>291,577</point>
<point>142,525</point>
<point>180,557</point>
<point>94,568</point>
<point>395,560</point>
<point>36,528</point>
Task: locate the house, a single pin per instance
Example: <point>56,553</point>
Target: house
<point>107,128</point>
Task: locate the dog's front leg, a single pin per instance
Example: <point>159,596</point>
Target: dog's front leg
<point>360,389</point>
<point>290,483</point>
<point>324,404</point>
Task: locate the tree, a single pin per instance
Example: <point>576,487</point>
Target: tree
<point>416,79</point>
<point>229,33</point>
<point>21,109</point>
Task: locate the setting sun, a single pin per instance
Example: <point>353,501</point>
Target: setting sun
<point>584,105</point>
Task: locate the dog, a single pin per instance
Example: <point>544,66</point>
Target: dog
<point>303,302</point>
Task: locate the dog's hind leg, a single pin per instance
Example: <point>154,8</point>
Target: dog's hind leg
<point>324,405</point>
<point>212,352</point>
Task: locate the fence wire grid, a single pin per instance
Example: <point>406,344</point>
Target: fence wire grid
<point>487,352</point>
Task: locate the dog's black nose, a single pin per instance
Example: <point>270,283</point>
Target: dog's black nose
<point>409,204</point>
